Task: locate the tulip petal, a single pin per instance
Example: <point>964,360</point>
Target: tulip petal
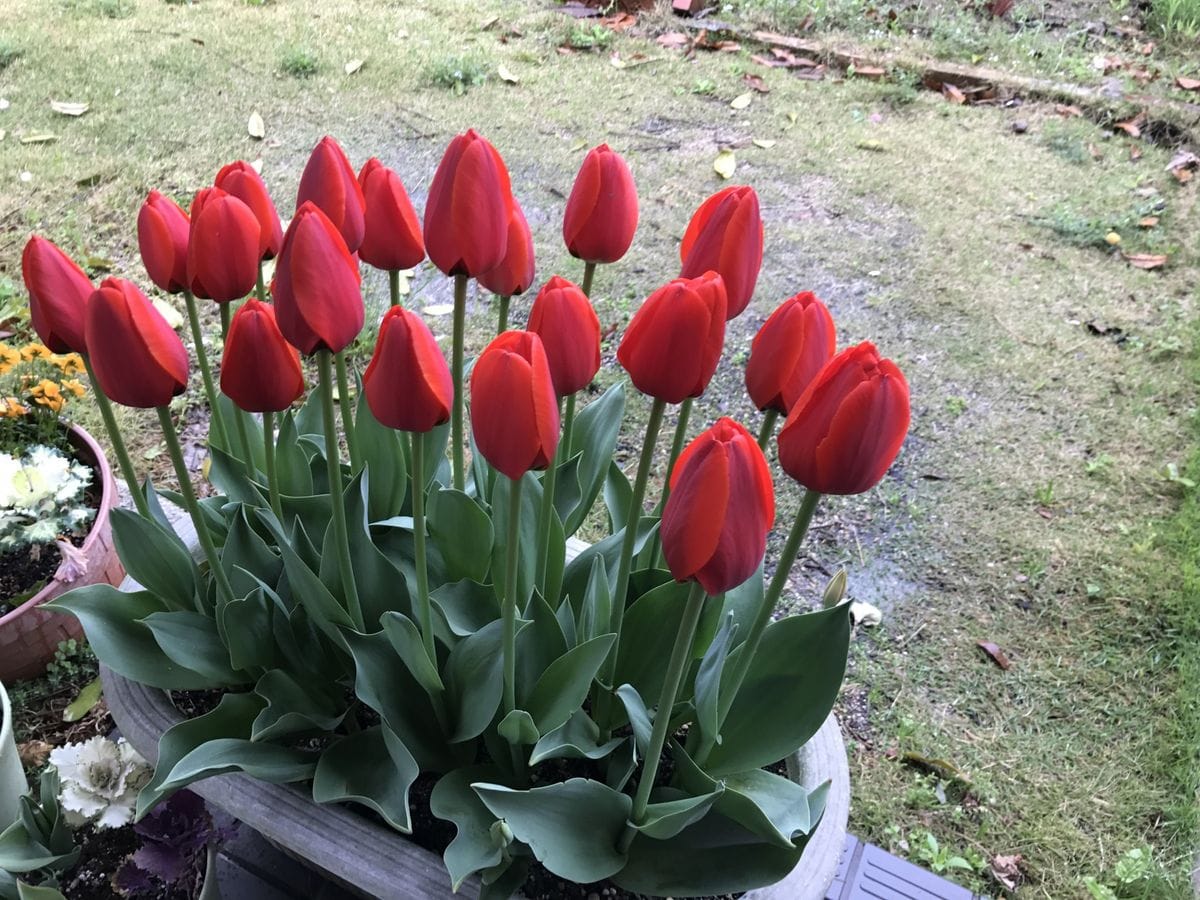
<point>694,518</point>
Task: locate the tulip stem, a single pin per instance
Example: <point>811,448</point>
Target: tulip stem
<point>239,420</point>
<point>260,287</point>
<point>347,410</point>
<point>268,424</point>
<point>224,588</point>
<point>216,420</point>
<point>118,443</point>
<point>677,442</point>
<point>768,428</point>
<point>509,615</point>
<point>394,286</point>
<point>589,271</point>
<point>456,373</point>
<point>226,315</point>
<point>568,431</point>
<point>680,656</point>
<point>502,316</point>
<point>545,517</point>
<point>424,613</point>
<point>334,466</point>
<point>762,618</point>
<point>621,588</point>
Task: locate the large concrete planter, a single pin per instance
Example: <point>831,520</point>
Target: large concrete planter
<point>29,635</point>
<point>12,775</point>
<point>377,862</point>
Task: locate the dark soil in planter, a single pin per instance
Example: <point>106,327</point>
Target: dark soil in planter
<point>22,576</point>
<point>38,705</point>
<point>103,851</point>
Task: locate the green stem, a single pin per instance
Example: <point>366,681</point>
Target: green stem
<point>508,612</point>
<point>260,288</point>
<point>118,443</point>
<point>456,373</point>
<point>346,408</point>
<point>762,618</point>
<point>626,560</point>
<point>677,442</point>
<point>502,317</point>
<point>545,515</point>
<point>680,656</point>
<point>424,613</point>
<point>589,271</point>
<point>216,420</point>
<point>768,428</point>
<point>568,431</point>
<point>193,507</point>
<point>239,420</point>
<point>269,456</point>
<point>340,533</point>
<point>226,316</point>
<point>394,286</point>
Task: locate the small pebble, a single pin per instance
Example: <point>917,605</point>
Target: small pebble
<point>1020,126</point>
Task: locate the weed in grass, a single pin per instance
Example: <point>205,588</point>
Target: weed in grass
<point>1098,464</point>
<point>1177,19</point>
<point>704,87</point>
<point>956,406</point>
<point>458,73</point>
<point>1067,143</point>
<point>9,53</point>
<point>106,9</point>
<point>589,37</point>
<point>1044,495</point>
<point>299,62</point>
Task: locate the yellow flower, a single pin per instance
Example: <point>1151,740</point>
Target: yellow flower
<point>30,352</point>
<point>69,363</point>
<point>11,408</point>
<point>74,386</point>
<point>46,389</point>
<point>9,357</point>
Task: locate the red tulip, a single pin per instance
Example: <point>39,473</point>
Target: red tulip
<point>726,235</point>
<point>514,275</point>
<point>673,343</point>
<point>260,371</point>
<point>222,261</point>
<point>238,179</point>
<point>721,506</point>
<point>844,431</point>
<point>408,384</point>
<point>392,234</point>
<point>329,182</point>
<point>469,207</point>
<point>514,413</point>
<point>789,351</point>
<point>316,288</point>
<point>602,211</point>
<point>58,291</point>
<point>163,229</point>
<point>565,321</point>
<point>137,357</point>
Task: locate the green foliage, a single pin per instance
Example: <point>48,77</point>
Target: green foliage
<point>299,61</point>
<point>9,53</point>
<point>39,844</point>
<point>457,73</point>
<point>1176,19</point>
<point>589,37</point>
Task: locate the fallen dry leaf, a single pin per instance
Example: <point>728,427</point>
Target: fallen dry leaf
<point>353,66</point>
<point>725,164</point>
<point>1148,222</point>
<point>674,40</point>
<point>943,768</point>
<point>1187,84</point>
<point>1133,127</point>
<point>769,63</point>
<point>1135,152</point>
<point>872,144</point>
<point>1182,161</point>
<point>953,94</point>
<point>622,21</point>
<point>756,83</point>
<point>33,754</point>
<point>38,137</point>
<point>1145,260</point>
<point>255,126</point>
<point>763,143</point>
<point>1068,111</point>
<point>67,108</point>
<point>505,75</point>
<point>1007,870</point>
<point>439,309</point>
<point>994,651</point>
<point>741,101</point>
<point>488,22</point>
<point>792,61</point>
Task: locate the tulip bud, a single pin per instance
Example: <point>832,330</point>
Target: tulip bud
<point>721,506</point>
<point>565,321</point>
<point>163,229</point>
<point>260,371</point>
<point>514,275</point>
<point>726,235</point>
<point>835,591</point>
<point>222,261</point>
<point>138,359</point>
<point>673,343</point>
<point>514,413</point>
<point>789,351</point>
<point>392,234</point>
<point>329,182</point>
<point>843,433</point>
<point>408,384</point>
<point>58,292</point>
<point>238,179</point>
<point>316,288</point>
<point>469,207</point>
<point>602,211</point>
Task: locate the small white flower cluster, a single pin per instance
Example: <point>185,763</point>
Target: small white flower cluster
<point>41,497</point>
<point>100,781</point>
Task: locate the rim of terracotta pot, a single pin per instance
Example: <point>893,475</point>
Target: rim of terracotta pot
<point>88,447</point>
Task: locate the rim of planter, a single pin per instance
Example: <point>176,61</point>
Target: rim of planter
<point>24,651</point>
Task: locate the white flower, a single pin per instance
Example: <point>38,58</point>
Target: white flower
<point>100,781</point>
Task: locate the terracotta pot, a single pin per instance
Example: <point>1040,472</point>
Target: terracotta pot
<point>29,635</point>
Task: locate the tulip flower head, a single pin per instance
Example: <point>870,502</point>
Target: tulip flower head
<point>673,343</point>
<point>844,432</point>
<point>239,179</point>
<point>329,182</point>
<point>260,371</point>
<point>392,233</point>
<point>602,211</point>
<point>564,319</point>
<point>469,209</point>
<point>58,291</point>
<point>789,351</point>
<point>514,275</point>
<point>514,411</point>
<point>317,285</point>
<point>721,506</point>
<point>407,383</point>
<point>726,235</point>
<point>138,358</point>
<point>223,247</point>
<point>163,230</point>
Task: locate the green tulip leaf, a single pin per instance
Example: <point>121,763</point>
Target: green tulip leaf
<point>463,534</point>
<point>291,463</point>
<point>308,589</point>
<point>407,641</point>
<point>538,646</point>
<point>156,558</point>
<point>84,702</point>
<point>528,545</point>
<point>675,811</point>
<point>292,707</point>
<point>621,765</point>
<point>596,612</point>
<point>518,728</point>
<point>475,680</point>
<point>384,460</point>
<point>192,641</point>
<point>371,767</point>
<point>228,475</point>
<point>473,848</point>
<point>639,717</point>
<point>246,624</point>
<point>647,636</point>
<point>574,739</point>
<point>618,494</point>
<point>38,892</point>
<point>562,688</point>
<point>466,606</point>
<point>593,440</point>
<point>246,556</point>
<point>708,679</point>
<point>381,586</point>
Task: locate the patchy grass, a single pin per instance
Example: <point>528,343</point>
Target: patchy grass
<point>1176,19</point>
<point>930,244</point>
<point>299,62</point>
<point>458,73</point>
